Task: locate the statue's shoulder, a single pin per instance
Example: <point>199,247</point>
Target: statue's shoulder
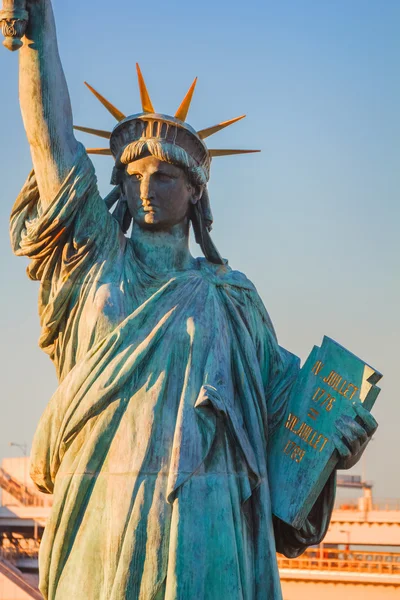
<point>240,289</point>
<point>224,275</point>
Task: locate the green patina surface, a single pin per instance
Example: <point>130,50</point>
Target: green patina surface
<point>155,444</point>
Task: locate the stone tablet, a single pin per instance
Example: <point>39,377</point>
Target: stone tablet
<point>301,454</point>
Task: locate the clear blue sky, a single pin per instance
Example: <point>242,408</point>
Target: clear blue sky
<point>313,220</point>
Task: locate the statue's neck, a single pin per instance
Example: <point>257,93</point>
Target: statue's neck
<point>163,251</point>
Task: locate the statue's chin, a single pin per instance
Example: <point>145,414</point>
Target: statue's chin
<point>150,218</point>
<point>152,221</point>
<point>147,221</point>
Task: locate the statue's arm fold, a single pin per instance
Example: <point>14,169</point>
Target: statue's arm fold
<point>279,370</point>
<point>45,102</point>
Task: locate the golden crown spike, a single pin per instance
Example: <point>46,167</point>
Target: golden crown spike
<point>153,124</point>
<point>117,114</point>
<point>183,109</point>
<point>229,152</point>
<point>147,105</point>
<point>99,151</point>
<point>205,133</point>
<point>98,132</point>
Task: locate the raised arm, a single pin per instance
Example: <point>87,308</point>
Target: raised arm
<point>45,102</point>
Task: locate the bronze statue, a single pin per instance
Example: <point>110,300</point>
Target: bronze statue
<point>170,375</point>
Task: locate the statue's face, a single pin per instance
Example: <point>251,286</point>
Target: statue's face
<point>158,193</point>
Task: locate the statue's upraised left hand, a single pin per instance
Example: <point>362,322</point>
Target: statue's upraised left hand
<point>352,436</point>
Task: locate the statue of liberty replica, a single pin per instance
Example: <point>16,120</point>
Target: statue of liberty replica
<point>171,378</point>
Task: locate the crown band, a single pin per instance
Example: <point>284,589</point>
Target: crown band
<point>146,126</point>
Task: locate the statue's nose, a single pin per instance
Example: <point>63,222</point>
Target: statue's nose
<point>146,188</point>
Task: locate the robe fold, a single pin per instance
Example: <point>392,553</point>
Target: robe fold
<point>155,442</point>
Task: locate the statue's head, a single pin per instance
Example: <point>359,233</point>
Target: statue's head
<point>162,167</point>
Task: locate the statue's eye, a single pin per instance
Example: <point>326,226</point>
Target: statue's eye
<point>137,176</point>
<point>164,177</point>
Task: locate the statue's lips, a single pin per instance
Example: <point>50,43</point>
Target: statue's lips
<point>148,208</point>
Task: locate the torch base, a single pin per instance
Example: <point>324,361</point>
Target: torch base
<point>12,44</point>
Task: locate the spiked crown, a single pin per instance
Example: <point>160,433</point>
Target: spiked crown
<point>151,125</point>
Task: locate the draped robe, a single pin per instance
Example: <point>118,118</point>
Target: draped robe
<point>155,442</point>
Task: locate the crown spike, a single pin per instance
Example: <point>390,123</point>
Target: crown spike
<point>117,114</point>
<point>205,133</point>
<point>147,106</point>
<point>213,153</point>
<point>98,132</point>
<point>100,151</point>
<point>183,110</point>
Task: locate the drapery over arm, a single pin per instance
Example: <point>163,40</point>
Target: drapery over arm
<point>279,369</point>
<point>67,243</point>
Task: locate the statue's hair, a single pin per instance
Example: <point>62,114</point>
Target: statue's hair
<point>165,151</point>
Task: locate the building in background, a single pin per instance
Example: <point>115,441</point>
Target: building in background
<point>23,514</point>
<point>359,558</point>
